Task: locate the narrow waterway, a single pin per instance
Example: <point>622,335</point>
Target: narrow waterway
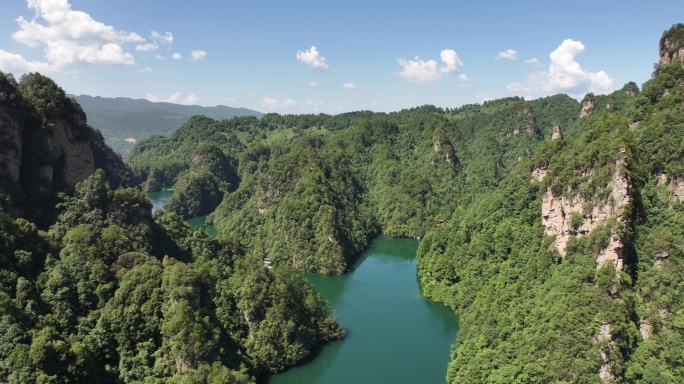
<point>394,335</point>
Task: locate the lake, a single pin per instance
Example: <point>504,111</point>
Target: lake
<point>394,335</point>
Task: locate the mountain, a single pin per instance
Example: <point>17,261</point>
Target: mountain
<point>124,121</point>
<point>48,147</point>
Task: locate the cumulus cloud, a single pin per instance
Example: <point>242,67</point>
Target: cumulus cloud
<point>565,74</point>
<point>313,84</point>
<point>146,47</point>
<point>159,57</point>
<point>420,71</point>
<point>274,104</point>
<point>532,61</point>
<point>312,58</point>
<point>146,70</point>
<point>12,62</point>
<point>165,39</point>
<point>176,56</point>
<point>348,85</point>
<point>71,37</point>
<point>508,54</point>
<point>452,63</point>
<point>198,54</point>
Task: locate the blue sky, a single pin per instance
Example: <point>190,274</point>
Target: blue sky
<point>332,57</point>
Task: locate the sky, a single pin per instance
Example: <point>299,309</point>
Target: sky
<point>334,57</point>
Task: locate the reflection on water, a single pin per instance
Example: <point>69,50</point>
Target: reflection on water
<point>394,335</point>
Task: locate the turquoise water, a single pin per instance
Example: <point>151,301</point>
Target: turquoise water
<point>158,200</point>
<point>394,335</point>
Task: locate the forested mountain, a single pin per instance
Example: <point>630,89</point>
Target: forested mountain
<point>124,121</point>
<point>93,288</point>
<point>552,227</point>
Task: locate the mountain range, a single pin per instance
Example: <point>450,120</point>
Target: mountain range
<point>124,121</point>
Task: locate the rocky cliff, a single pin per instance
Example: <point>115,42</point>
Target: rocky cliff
<point>672,45</point>
<point>47,147</point>
<point>564,216</point>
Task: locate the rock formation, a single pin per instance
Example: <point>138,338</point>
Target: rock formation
<point>47,146</point>
<point>574,215</point>
<point>672,46</point>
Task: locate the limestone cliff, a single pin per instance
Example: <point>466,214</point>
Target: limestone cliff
<point>47,147</point>
<point>672,45</point>
<point>574,214</point>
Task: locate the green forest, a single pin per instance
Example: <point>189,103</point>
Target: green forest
<point>552,227</point>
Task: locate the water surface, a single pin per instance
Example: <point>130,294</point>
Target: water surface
<point>394,335</point>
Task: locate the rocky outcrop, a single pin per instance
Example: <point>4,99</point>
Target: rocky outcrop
<point>587,106</point>
<point>538,174</point>
<point>671,52</point>
<point>46,147</point>
<point>605,339</point>
<point>675,185</point>
<point>556,134</point>
<point>573,215</point>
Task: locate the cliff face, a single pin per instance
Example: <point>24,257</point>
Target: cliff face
<point>575,215</point>
<point>47,147</point>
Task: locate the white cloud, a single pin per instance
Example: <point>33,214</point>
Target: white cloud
<point>452,63</point>
<point>146,70</point>
<point>532,61</point>
<point>174,98</point>
<point>313,84</point>
<point>312,58</point>
<point>274,104</point>
<point>146,47</point>
<point>12,62</point>
<point>176,56</point>
<point>463,77</point>
<point>159,57</point>
<point>198,54</point>
<point>420,71</point>
<point>71,37</point>
<point>165,39</point>
<point>508,54</point>
<point>190,100</point>
<point>565,75</point>
<point>348,85</point>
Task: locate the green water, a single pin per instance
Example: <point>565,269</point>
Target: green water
<point>394,335</point>
<point>158,200</point>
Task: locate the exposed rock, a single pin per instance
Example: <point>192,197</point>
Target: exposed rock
<point>587,106</point>
<point>645,328</point>
<point>670,53</point>
<point>556,135</point>
<point>605,337</point>
<point>538,174</point>
<point>633,126</point>
<point>558,213</point>
<point>436,145</point>
<point>659,257</point>
<point>676,186</point>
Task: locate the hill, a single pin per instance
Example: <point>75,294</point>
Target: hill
<point>124,121</point>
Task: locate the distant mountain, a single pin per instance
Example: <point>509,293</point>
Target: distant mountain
<point>124,121</point>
